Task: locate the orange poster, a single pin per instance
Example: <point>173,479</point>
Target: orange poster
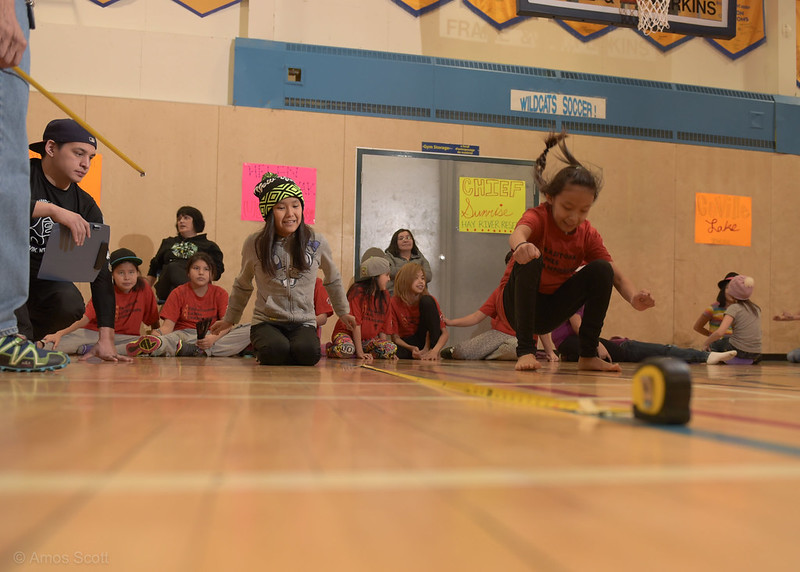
<point>723,219</point>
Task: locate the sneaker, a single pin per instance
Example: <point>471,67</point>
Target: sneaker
<point>84,349</point>
<point>145,345</point>
<point>18,354</point>
<point>447,353</point>
<point>186,349</point>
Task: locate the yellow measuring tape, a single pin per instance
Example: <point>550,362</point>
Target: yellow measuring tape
<point>583,406</point>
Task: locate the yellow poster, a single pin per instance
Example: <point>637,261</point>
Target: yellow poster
<point>723,219</point>
<point>91,182</point>
<point>490,205</point>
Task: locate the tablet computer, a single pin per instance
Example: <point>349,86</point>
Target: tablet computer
<point>67,262</point>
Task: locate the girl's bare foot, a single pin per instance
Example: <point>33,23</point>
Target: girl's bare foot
<point>527,362</point>
<point>596,364</point>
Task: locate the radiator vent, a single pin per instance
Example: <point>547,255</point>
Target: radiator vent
<point>597,78</point>
<point>618,130</point>
<point>357,107</point>
<point>725,141</point>
<point>495,119</point>
<point>486,66</point>
<point>725,92</point>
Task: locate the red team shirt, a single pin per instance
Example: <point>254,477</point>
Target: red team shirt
<point>493,307</point>
<point>405,318</point>
<point>562,254</point>
<point>132,309</point>
<point>186,308</point>
<point>372,321</point>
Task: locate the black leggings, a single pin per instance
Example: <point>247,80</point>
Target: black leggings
<point>429,328</point>
<point>530,312</point>
<point>285,344</point>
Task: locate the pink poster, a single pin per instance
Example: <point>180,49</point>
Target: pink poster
<point>305,177</point>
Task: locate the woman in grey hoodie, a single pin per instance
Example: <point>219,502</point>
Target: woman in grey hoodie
<point>284,258</point>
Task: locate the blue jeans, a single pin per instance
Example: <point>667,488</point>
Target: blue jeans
<point>15,188</point>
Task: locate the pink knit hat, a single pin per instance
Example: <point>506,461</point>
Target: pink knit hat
<point>741,287</point>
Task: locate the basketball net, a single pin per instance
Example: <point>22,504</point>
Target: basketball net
<point>652,14</point>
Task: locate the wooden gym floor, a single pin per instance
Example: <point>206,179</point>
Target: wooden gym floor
<point>218,464</point>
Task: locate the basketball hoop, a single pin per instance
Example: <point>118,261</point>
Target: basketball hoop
<point>652,14</point>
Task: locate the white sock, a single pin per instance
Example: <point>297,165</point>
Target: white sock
<point>719,357</point>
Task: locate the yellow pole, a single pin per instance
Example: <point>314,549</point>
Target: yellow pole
<point>80,121</point>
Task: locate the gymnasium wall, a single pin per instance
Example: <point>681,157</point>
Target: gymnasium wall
<point>192,154</point>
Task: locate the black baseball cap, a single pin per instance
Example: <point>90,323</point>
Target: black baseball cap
<point>124,255</point>
<point>724,282</point>
<point>63,131</point>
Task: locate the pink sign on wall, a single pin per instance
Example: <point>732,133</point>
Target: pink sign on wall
<point>305,177</point>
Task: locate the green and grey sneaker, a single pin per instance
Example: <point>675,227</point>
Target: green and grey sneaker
<point>18,354</point>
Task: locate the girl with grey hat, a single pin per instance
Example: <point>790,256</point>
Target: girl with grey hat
<point>283,259</point>
<point>369,303</point>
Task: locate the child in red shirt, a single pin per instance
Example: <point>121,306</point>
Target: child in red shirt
<point>189,311</point>
<point>135,305</point>
<point>541,288</point>
<point>418,326</point>
<point>369,305</point>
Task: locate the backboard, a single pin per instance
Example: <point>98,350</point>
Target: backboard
<point>712,18</point>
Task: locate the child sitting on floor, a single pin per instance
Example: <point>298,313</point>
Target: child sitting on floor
<point>369,305</point>
<point>135,305</point>
<point>419,329</point>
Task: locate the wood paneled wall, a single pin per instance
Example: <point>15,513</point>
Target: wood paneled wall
<point>193,155</point>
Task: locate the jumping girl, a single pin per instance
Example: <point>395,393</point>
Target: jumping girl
<point>550,242</point>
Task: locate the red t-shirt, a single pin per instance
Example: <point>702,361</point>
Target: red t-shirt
<point>186,308</point>
<point>370,318</point>
<point>562,253</point>
<point>405,318</point>
<point>132,309</point>
<point>493,307</point>
<point>322,302</point>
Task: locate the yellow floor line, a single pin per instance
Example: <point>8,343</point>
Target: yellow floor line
<point>583,406</point>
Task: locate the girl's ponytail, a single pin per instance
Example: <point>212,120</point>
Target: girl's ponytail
<point>541,162</point>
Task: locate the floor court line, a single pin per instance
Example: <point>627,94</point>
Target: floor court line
<point>358,481</point>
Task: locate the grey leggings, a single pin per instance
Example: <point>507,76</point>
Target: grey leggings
<point>486,345</point>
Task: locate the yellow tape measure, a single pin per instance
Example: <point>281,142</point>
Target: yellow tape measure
<point>583,406</point>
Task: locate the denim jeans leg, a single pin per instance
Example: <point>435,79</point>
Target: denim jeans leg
<point>15,190</point>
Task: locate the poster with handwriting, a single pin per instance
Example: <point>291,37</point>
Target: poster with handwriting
<point>489,205</point>
<point>723,219</point>
<point>305,177</point>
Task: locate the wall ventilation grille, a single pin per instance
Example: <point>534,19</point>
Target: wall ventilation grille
<point>495,119</point>
<point>357,107</point>
<point>724,141</point>
<point>619,130</point>
<point>596,78</point>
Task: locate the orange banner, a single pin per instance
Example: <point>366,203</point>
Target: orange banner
<point>419,7</point>
<point>205,7</point>
<point>665,41</point>
<point>498,13</point>
<point>750,31</point>
<point>585,31</point>
<point>723,219</point>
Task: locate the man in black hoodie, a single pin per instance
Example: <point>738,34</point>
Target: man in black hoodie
<point>67,150</point>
